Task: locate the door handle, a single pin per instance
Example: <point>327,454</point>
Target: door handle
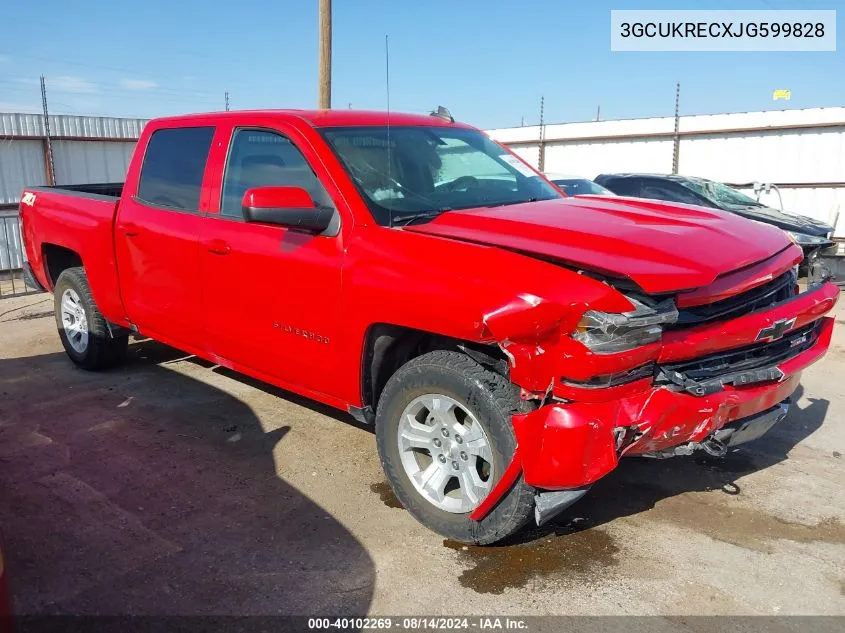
<point>218,247</point>
<point>129,229</point>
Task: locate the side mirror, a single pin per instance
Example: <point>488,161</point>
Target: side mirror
<point>291,207</point>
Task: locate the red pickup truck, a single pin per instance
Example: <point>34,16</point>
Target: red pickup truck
<point>508,343</point>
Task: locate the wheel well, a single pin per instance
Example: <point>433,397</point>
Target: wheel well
<point>58,259</point>
<point>388,347</point>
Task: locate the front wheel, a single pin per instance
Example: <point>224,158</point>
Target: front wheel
<point>82,328</point>
<point>444,434</point>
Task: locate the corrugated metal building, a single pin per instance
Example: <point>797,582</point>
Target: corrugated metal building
<point>801,151</point>
<point>85,149</point>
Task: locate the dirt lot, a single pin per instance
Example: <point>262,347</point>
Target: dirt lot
<point>170,486</point>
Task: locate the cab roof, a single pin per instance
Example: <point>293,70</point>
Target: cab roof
<point>330,118</point>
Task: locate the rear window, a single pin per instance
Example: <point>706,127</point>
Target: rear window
<point>174,164</point>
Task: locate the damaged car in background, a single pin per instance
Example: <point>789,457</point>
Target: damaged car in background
<point>811,235</point>
<point>509,344</point>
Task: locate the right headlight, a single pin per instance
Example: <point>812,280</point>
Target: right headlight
<point>612,332</point>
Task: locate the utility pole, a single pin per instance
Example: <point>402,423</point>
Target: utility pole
<point>598,113</point>
<point>676,149</point>
<point>541,161</point>
<point>48,144</point>
<point>226,97</point>
<point>325,54</point>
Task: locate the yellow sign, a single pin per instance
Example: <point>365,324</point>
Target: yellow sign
<point>786,95</point>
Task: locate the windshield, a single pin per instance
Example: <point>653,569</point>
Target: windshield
<point>581,186</point>
<point>721,194</point>
<point>408,171</point>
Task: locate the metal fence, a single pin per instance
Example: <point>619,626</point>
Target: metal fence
<point>12,283</point>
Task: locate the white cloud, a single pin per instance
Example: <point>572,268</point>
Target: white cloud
<point>25,108</point>
<point>138,84</point>
<point>67,83</point>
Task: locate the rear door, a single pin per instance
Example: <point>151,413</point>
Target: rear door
<point>157,237</point>
<point>271,296</point>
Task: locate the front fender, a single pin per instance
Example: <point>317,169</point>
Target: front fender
<point>464,291</point>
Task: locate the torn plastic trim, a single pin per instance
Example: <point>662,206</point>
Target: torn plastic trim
<point>604,381</point>
<point>550,503</point>
<point>733,434</point>
<point>713,385</point>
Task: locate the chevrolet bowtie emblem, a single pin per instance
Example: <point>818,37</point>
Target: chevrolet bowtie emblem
<point>776,330</point>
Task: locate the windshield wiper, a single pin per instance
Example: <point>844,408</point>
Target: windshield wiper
<point>505,204</point>
<point>405,220</point>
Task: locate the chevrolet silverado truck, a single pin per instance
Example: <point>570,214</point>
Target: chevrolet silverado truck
<point>509,344</point>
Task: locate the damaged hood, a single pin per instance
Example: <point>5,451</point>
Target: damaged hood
<point>661,247</point>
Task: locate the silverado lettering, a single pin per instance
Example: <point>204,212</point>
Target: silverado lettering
<point>508,343</point>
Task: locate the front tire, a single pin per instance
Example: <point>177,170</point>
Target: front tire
<point>444,434</point>
<point>82,328</point>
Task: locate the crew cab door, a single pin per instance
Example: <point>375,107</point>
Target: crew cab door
<point>157,237</point>
<point>270,295</point>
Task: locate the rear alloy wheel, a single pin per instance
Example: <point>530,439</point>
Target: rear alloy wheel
<point>444,433</point>
<point>74,321</point>
<point>85,334</point>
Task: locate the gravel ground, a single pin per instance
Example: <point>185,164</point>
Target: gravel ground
<point>169,486</point>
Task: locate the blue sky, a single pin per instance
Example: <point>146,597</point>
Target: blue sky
<point>489,62</point>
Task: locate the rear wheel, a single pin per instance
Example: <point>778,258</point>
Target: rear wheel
<point>444,433</point>
<point>82,328</point>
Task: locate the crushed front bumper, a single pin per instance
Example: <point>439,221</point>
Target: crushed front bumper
<point>571,445</point>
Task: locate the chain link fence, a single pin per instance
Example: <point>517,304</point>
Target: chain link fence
<point>12,283</point>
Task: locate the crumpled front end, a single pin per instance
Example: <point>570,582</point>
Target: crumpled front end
<point>705,387</point>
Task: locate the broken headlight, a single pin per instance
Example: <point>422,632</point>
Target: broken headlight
<point>611,332</point>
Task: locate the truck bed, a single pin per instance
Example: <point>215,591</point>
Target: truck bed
<point>75,222</point>
<point>108,189</point>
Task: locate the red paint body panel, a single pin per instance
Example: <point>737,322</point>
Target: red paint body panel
<point>661,247</point>
<point>707,339</point>
<point>6,612</point>
<point>295,309</point>
<point>83,225</point>
<point>279,197</point>
<point>736,282</point>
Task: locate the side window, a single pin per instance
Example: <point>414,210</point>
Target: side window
<point>624,186</point>
<point>658,192</point>
<point>173,168</point>
<point>259,158</point>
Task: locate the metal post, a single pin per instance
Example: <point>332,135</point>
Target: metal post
<point>226,100</point>
<point>541,161</point>
<point>48,145</point>
<point>325,54</point>
<point>676,149</point>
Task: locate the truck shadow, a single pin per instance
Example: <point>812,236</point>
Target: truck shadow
<point>640,484</point>
<point>124,492</point>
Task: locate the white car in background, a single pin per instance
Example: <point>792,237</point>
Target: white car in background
<point>577,185</point>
